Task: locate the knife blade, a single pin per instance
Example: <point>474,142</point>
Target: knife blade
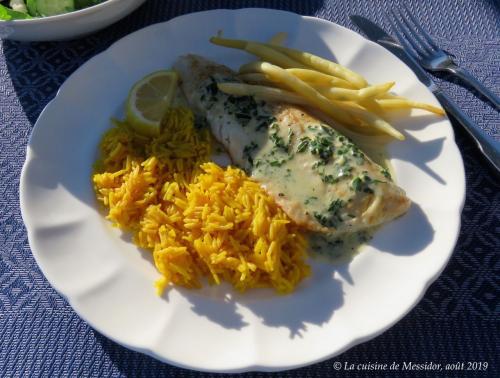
<point>488,146</point>
<point>380,36</point>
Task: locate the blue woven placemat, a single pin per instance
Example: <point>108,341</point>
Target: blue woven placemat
<point>456,321</point>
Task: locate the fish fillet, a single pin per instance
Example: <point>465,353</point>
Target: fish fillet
<point>322,180</point>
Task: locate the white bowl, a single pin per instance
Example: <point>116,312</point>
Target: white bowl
<point>68,25</point>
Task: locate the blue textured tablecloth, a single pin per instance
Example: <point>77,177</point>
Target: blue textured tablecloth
<point>456,321</point>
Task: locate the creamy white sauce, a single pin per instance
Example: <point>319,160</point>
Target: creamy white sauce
<point>316,174</point>
<point>338,249</point>
<point>341,249</point>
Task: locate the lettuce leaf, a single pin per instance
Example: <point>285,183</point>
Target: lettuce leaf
<point>9,14</point>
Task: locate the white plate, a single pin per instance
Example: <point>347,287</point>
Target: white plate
<point>109,282</point>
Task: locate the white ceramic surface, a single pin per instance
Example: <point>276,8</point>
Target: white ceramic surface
<point>68,25</point>
<point>109,282</point>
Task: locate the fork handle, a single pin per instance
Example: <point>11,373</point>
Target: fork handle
<point>467,77</point>
<point>488,146</point>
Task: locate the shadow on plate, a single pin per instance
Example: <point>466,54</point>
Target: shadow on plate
<point>294,312</point>
<point>424,152</point>
<point>223,305</point>
<point>401,243</point>
<point>427,152</point>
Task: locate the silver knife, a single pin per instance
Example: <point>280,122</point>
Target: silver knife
<point>488,146</point>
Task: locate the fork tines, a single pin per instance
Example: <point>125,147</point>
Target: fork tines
<point>404,24</point>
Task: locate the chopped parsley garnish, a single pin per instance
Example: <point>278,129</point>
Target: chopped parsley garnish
<point>244,108</point>
<point>309,200</point>
<point>265,122</point>
<point>328,130</point>
<point>322,219</point>
<point>386,173</point>
<point>243,118</point>
<point>303,144</point>
<point>247,151</point>
<point>322,147</point>
<point>277,162</point>
<point>290,137</point>
<point>328,179</point>
<point>362,184</point>
<point>212,88</point>
<point>332,178</point>
<point>278,141</point>
<point>332,216</point>
<point>356,184</point>
<point>335,206</point>
<point>344,171</point>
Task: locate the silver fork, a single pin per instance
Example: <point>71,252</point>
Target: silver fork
<point>433,58</point>
<point>487,145</point>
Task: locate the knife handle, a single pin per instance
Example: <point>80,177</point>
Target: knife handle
<point>473,82</point>
<point>488,146</point>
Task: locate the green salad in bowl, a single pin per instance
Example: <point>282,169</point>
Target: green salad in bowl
<point>58,20</point>
<point>26,9</point>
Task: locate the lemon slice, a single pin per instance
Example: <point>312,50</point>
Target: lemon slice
<point>148,101</point>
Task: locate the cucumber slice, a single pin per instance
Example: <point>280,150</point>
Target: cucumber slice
<point>53,7</point>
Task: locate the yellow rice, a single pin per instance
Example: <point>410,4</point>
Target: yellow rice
<point>197,218</point>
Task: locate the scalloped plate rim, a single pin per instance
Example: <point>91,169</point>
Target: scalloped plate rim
<point>254,367</point>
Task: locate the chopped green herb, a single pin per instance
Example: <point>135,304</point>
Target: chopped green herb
<point>243,116</point>
<point>328,130</point>
<point>290,136</point>
<point>329,179</point>
<point>362,184</point>
<point>303,144</point>
<point>335,206</point>
<point>332,217</point>
<point>278,141</point>
<point>258,163</point>
<point>386,173</point>
<point>322,147</point>
<point>265,123</point>
<point>277,162</point>
<point>356,184</point>
<point>212,88</point>
<point>247,151</point>
<point>344,171</point>
<point>318,163</point>
<point>309,200</point>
